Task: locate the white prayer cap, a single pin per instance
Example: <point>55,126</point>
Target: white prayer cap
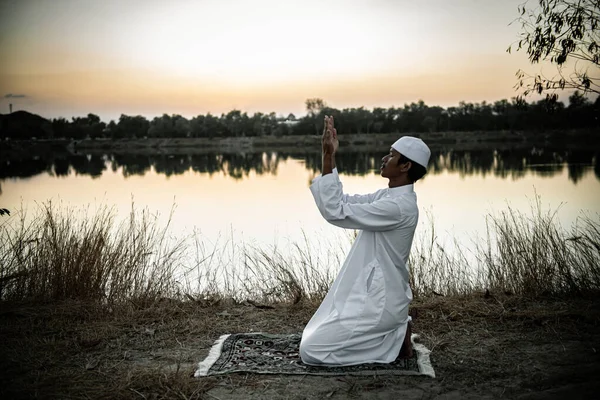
<point>413,148</point>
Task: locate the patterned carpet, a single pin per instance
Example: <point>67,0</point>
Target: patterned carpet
<point>278,354</point>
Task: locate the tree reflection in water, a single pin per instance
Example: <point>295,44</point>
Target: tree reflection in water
<point>512,164</point>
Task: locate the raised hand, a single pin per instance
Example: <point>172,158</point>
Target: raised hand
<point>330,141</point>
<point>336,143</point>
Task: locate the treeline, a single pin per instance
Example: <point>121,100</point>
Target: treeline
<point>506,163</point>
<point>514,115</point>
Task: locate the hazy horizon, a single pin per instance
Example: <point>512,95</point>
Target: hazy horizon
<point>69,58</point>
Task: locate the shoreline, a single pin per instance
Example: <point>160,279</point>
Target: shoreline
<point>500,140</point>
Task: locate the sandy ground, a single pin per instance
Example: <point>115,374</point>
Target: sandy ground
<point>483,347</point>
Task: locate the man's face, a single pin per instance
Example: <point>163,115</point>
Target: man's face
<point>390,168</point>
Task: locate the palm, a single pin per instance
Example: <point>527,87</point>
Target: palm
<point>329,145</point>
<point>330,140</point>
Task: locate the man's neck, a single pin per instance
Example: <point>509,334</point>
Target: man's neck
<point>399,181</point>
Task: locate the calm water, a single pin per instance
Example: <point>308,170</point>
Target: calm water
<point>263,198</point>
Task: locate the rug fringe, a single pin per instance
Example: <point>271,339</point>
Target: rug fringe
<point>423,360</point>
<point>213,356</point>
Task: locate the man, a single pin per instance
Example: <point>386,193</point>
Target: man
<point>364,317</point>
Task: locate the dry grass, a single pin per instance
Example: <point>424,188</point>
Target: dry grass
<point>69,254</point>
<point>526,254</point>
<point>534,255</point>
<point>265,274</point>
<point>230,269</point>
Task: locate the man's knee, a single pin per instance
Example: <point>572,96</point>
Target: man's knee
<point>304,350</point>
<point>308,353</point>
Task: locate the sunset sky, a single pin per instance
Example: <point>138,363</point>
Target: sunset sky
<point>190,57</point>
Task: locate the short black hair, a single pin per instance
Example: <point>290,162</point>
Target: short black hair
<point>416,171</point>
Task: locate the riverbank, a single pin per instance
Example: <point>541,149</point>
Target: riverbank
<point>90,311</point>
<point>500,140</point>
<point>484,346</point>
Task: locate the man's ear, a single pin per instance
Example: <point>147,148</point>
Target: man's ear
<point>406,166</point>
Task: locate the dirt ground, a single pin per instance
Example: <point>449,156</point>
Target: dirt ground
<point>483,347</point>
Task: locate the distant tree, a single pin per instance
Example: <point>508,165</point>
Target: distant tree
<point>559,31</point>
<point>270,123</point>
<point>61,128</point>
<point>111,129</point>
<point>429,123</point>
<point>256,124</point>
<point>581,112</point>
<point>213,126</point>
<point>379,119</point>
<point>362,119</point>
<point>160,127</point>
<point>412,116</point>
<point>198,127</point>
<point>92,126</point>
<point>577,100</point>
<point>181,126</point>
<point>281,130</point>
<point>314,107</point>
<point>169,126</point>
<point>89,127</point>
<point>131,126</point>
<point>437,114</point>
<point>77,128</point>
<point>234,121</point>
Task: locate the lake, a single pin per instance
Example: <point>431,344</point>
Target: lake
<point>262,199</point>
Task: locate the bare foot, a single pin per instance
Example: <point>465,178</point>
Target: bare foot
<point>406,351</point>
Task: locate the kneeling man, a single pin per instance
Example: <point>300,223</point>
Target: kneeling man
<point>364,317</point>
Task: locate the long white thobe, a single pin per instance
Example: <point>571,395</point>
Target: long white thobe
<point>363,318</point>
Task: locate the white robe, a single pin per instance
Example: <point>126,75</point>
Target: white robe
<point>363,318</point>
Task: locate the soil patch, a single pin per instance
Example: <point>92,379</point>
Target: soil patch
<point>483,347</point>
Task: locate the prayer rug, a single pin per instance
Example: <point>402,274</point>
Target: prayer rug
<point>279,354</point>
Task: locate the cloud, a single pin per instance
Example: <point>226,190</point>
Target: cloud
<point>14,96</point>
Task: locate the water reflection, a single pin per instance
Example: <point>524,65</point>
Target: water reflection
<point>511,164</point>
<point>505,163</point>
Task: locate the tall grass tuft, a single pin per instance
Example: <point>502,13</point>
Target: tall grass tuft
<point>440,268</point>
<point>532,254</point>
<point>268,274</point>
<point>64,254</point>
<point>522,253</point>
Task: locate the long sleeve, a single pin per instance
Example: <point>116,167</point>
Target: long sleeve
<point>379,215</point>
<point>358,198</point>
<point>350,198</point>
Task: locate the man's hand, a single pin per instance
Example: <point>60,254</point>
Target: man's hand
<point>330,146</point>
<point>330,141</point>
